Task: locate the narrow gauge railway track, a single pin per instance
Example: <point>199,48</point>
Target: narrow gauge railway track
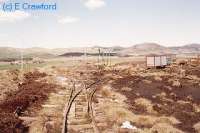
<point>90,91</point>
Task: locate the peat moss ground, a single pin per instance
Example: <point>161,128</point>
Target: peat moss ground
<point>168,99</point>
<point>31,94</point>
<point>169,93</point>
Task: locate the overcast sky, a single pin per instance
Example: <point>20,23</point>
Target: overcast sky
<point>80,23</point>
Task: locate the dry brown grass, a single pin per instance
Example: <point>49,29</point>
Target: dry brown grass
<point>126,89</point>
<point>196,107</point>
<point>182,73</point>
<point>119,114</point>
<point>164,128</point>
<point>147,81</point>
<point>50,118</point>
<point>8,82</point>
<point>197,127</point>
<point>106,92</point>
<point>158,78</point>
<point>174,82</point>
<point>115,112</point>
<point>147,104</point>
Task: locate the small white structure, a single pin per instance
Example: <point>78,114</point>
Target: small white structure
<point>128,125</point>
<point>157,60</point>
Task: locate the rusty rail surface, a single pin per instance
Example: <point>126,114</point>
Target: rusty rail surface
<point>91,110</point>
<point>71,100</point>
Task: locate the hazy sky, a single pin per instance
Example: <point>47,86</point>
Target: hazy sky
<point>79,23</point>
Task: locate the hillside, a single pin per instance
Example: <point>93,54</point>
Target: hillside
<point>153,48</point>
<point>145,48</point>
<point>189,48</point>
<point>138,49</point>
<point>15,53</point>
<point>7,52</point>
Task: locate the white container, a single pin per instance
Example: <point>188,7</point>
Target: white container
<point>156,60</point>
<point>150,61</point>
<point>163,60</point>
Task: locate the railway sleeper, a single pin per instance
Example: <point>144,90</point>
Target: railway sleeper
<point>85,128</point>
<point>79,121</point>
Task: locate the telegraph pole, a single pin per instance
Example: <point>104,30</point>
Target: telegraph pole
<point>109,57</point>
<point>85,55</point>
<point>99,50</point>
<point>21,65</point>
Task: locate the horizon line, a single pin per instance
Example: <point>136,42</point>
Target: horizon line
<point>100,46</point>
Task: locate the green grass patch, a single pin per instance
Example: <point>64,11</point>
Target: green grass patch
<point>25,67</point>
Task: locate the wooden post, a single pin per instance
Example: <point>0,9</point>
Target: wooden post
<point>22,65</point>
<point>103,57</point>
<point>99,50</point>
<point>85,55</point>
<point>109,57</point>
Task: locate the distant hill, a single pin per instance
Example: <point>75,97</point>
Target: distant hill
<point>189,48</point>
<point>15,53</point>
<point>148,46</point>
<point>7,52</point>
<point>138,49</point>
<point>193,45</point>
<point>144,49</point>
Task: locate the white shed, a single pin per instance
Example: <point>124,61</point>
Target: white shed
<point>156,60</point>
